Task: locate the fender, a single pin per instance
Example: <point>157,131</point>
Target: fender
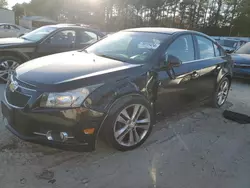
<point>102,99</point>
<point>225,71</point>
<point>20,53</point>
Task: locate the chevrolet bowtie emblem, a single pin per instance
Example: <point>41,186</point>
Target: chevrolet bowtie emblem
<point>13,86</point>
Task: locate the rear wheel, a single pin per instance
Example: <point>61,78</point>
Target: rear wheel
<point>130,125</point>
<point>221,93</point>
<point>7,65</point>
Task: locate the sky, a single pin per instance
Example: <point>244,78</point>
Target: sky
<point>11,3</point>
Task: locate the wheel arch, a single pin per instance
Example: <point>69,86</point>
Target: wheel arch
<point>125,98</point>
<point>15,54</point>
<point>229,77</point>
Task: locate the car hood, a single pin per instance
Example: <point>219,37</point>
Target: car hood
<point>13,41</point>
<point>71,70</point>
<point>241,58</point>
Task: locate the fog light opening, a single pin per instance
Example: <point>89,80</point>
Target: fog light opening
<point>64,136</point>
<point>49,135</point>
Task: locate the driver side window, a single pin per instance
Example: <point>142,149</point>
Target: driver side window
<point>64,38</point>
<point>182,48</point>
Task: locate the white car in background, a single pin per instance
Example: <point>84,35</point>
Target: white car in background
<point>11,30</point>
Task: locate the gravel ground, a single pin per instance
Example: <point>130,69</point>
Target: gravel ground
<point>191,149</point>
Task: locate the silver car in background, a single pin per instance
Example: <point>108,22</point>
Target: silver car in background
<point>12,30</point>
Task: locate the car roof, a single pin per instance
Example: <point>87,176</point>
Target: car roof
<point>7,24</point>
<point>68,25</point>
<point>59,26</point>
<point>159,30</point>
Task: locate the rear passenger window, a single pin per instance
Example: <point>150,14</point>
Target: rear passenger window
<point>182,48</point>
<point>205,47</point>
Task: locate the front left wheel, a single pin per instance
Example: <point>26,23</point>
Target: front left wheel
<point>130,125</point>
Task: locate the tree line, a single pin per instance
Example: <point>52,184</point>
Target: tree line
<point>214,17</point>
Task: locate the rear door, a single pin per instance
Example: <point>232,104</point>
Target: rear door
<point>208,65</point>
<point>61,41</point>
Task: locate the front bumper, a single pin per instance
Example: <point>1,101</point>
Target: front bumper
<point>33,125</point>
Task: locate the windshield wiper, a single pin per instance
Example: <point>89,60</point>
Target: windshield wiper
<point>109,57</point>
<point>24,38</point>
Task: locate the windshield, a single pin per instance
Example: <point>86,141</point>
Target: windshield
<point>245,49</point>
<point>39,33</point>
<point>128,46</point>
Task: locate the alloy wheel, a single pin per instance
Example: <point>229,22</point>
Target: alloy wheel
<point>6,67</point>
<point>132,125</point>
<point>222,93</point>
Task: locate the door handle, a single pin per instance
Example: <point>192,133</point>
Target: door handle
<point>195,74</point>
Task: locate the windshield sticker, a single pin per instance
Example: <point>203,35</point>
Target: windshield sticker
<point>149,45</point>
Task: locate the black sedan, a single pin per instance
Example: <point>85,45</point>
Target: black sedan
<point>43,41</point>
<point>241,58</point>
<point>115,87</point>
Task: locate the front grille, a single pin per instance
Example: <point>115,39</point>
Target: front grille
<point>23,84</point>
<point>15,98</point>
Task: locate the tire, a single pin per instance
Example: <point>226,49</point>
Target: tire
<point>8,64</point>
<point>115,126</point>
<point>215,100</point>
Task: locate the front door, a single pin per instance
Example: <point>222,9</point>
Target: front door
<point>61,41</point>
<point>176,87</point>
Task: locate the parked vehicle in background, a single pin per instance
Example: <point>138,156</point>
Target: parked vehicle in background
<point>115,87</point>
<point>230,45</point>
<point>241,58</point>
<point>43,41</point>
<point>12,30</point>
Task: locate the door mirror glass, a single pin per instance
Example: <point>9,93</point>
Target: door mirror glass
<point>172,61</point>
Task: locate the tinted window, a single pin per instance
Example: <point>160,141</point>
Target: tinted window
<point>1,26</point>
<point>66,37</point>
<point>134,47</point>
<point>14,27</point>
<point>182,48</point>
<point>87,37</point>
<point>205,47</point>
<point>6,27</point>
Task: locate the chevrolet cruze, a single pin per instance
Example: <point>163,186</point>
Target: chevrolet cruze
<point>115,87</point>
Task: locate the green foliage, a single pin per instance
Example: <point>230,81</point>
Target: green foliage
<point>3,3</point>
<point>214,17</point>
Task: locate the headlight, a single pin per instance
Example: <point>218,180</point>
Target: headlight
<point>66,99</point>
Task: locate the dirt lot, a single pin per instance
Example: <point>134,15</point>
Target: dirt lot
<point>193,149</point>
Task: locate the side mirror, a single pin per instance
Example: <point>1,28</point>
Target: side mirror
<point>172,61</point>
